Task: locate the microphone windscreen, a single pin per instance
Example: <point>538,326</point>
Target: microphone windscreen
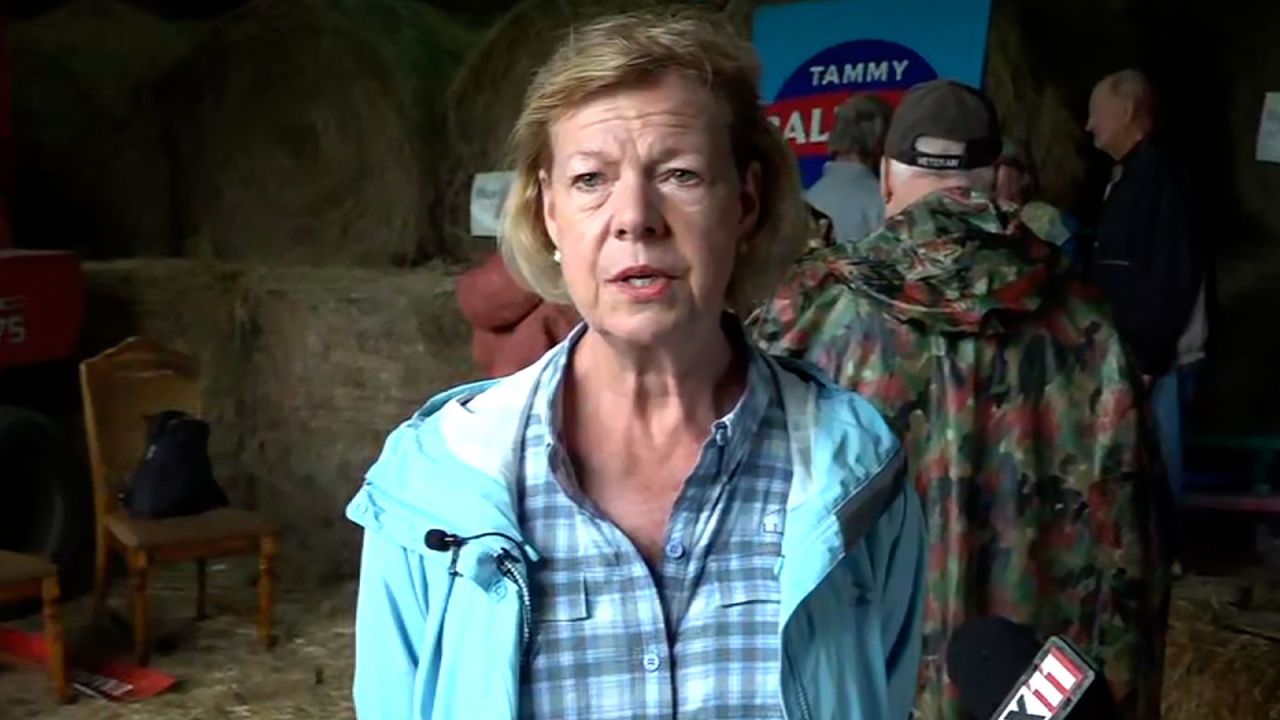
<point>437,539</point>
<point>985,659</point>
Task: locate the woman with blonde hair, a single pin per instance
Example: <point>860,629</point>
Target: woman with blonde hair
<point>654,519</point>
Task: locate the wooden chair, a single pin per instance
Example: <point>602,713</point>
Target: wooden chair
<point>24,577</point>
<point>121,387</point>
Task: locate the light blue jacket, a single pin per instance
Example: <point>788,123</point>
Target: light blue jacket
<point>441,644</point>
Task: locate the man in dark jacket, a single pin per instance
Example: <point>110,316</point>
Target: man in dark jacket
<point>1148,259</point>
<point>1019,410</point>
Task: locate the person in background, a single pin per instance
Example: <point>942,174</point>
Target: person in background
<point>1019,410</point>
<point>511,327</point>
<point>848,192</point>
<point>1014,181</point>
<point>1148,259</point>
<point>655,519</point>
<point>1016,187</point>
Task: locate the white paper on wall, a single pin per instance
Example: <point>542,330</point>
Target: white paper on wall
<point>1269,129</point>
<point>488,193</point>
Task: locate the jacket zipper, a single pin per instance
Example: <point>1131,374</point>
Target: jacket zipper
<point>802,700</point>
<point>507,566</point>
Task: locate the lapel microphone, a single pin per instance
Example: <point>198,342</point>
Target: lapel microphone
<point>441,540</point>
<point>444,541</point>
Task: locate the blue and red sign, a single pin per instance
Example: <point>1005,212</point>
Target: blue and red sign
<point>817,54</point>
<point>805,106</point>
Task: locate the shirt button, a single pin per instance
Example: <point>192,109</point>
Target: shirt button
<point>500,591</point>
<point>675,549</point>
<point>651,661</point>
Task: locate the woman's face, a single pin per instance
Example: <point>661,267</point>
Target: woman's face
<point>645,204</point>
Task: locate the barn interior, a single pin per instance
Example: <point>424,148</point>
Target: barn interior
<point>281,190</point>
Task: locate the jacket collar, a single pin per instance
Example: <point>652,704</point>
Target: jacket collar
<point>454,466</point>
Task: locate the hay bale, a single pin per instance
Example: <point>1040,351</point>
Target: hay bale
<point>1213,673</point>
<point>1034,112</point>
<point>189,306</point>
<point>92,172</point>
<point>424,47</point>
<point>295,147</point>
<point>298,132</point>
<point>305,371</point>
<point>337,358</point>
<point>113,48</point>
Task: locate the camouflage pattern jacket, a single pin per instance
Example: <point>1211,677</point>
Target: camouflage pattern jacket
<point>1020,414</point>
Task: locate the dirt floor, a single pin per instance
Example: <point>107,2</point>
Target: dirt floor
<point>1219,665</point>
<point>220,669</point>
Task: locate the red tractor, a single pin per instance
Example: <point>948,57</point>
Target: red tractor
<point>46,500</point>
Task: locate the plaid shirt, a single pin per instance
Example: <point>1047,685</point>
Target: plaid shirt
<point>695,638</point>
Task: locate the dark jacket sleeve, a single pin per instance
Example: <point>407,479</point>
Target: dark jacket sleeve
<point>1148,259</point>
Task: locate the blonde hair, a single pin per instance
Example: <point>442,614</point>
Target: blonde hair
<point>634,50</point>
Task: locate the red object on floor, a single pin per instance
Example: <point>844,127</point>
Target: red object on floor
<point>111,680</point>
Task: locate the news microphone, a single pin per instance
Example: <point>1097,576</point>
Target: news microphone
<point>1004,673</point>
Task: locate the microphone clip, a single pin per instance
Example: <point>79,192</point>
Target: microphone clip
<point>442,540</point>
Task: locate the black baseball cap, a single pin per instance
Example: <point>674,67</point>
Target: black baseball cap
<point>946,110</point>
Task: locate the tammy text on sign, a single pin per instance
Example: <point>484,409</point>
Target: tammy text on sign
<point>817,54</point>
<point>806,104</point>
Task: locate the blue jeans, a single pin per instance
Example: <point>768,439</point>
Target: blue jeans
<point>1171,396</point>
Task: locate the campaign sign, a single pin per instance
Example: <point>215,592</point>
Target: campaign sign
<point>805,107</point>
<point>815,55</point>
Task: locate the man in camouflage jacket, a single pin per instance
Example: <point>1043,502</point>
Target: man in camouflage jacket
<point>1017,405</point>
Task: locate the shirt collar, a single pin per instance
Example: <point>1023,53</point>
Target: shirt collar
<point>732,432</point>
<point>848,169</point>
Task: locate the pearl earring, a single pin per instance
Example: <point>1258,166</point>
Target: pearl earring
<point>556,256</point>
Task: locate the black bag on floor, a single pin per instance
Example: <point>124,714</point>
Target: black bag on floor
<point>175,476</point>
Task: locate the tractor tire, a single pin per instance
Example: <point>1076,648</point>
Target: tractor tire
<point>47,505</point>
